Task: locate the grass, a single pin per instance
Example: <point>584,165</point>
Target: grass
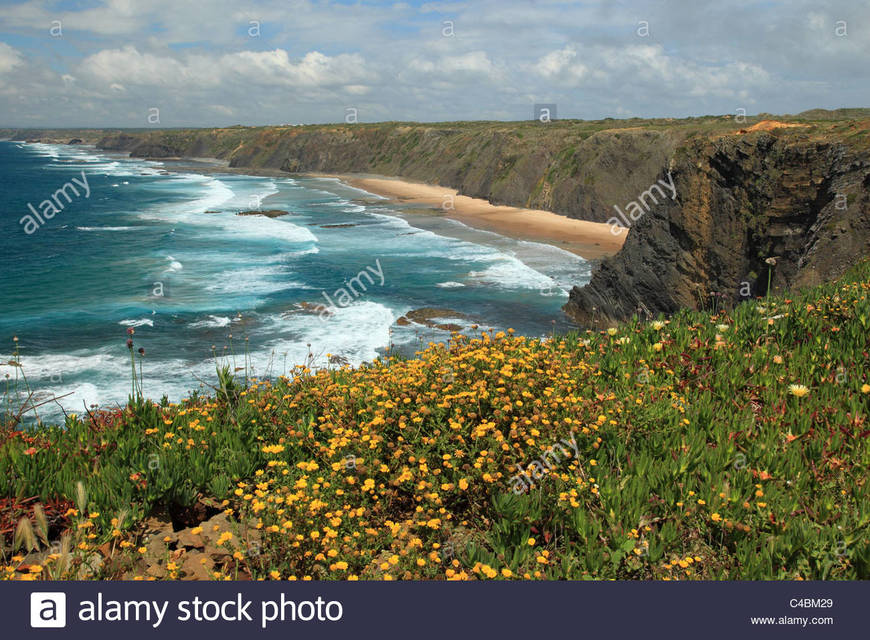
<point>732,445</point>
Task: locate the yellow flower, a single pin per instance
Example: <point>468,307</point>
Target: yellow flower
<point>798,390</point>
<point>531,542</point>
<point>865,388</point>
<point>274,574</point>
<point>196,530</point>
<point>657,346</point>
<point>715,517</point>
<point>463,484</point>
<point>275,448</point>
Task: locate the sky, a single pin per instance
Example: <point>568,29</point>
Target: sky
<point>171,63</point>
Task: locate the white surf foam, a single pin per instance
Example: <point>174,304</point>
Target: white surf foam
<point>213,322</point>
<point>261,227</point>
<point>258,280</point>
<point>510,273</point>
<point>174,265</point>
<point>141,322</point>
<point>355,333</point>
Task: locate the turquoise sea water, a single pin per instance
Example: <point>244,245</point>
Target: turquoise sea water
<point>141,251</point>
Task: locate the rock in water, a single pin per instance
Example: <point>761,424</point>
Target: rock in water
<point>268,213</point>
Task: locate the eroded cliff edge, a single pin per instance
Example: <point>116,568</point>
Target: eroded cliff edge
<point>743,202</point>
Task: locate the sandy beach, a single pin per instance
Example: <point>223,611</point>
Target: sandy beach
<point>587,239</point>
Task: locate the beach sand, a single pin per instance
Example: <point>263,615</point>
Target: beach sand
<point>589,240</point>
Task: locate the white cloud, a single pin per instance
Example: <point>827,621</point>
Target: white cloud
<point>562,63</point>
<point>197,62</point>
<point>128,66</point>
<point>313,70</point>
<point>9,58</point>
<point>474,62</point>
<point>647,67</point>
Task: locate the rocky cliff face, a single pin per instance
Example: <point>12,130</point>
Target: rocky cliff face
<point>798,194</point>
<point>801,200</point>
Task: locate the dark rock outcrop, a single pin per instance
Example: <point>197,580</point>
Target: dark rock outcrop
<point>802,202</point>
<point>266,213</point>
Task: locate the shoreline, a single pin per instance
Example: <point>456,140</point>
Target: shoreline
<point>589,240</point>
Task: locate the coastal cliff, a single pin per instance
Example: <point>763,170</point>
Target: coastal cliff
<point>795,189</point>
<point>578,169</point>
<point>753,211</point>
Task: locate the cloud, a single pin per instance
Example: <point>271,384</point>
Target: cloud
<point>313,70</point>
<point>392,60</point>
<point>9,58</point>
<point>128,67</point>
<point>648,68</point>
<point>474,62</point>
<point>562,64</point>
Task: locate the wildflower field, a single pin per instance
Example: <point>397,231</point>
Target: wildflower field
<point>727,445</point>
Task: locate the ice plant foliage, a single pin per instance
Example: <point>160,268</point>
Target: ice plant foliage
<point>731,445</point>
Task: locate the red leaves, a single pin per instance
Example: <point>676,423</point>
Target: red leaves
<point>13,509</point>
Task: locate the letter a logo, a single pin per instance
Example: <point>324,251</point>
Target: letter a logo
<point>47,610</point>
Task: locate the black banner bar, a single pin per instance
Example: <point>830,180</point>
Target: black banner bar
<point>384,610</point>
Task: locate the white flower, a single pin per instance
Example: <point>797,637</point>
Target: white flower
<point>798,390</point>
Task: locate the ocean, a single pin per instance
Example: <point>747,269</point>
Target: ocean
<point>158,247</point>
